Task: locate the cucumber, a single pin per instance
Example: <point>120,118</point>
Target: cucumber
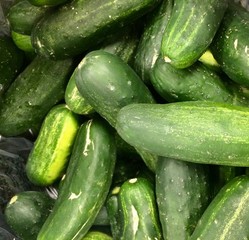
<point>49,156</point>
<point>138,215</point>
<point>197,82</point>
<point>183,192</point>
<point>86,24</point>
<point>218,130</point>
<point>227,215</point>
<point>12,62</point>
<point>230,44</point>
<point>23,16</point>
<point>207,58</point>
<point>26,212</point>
<point>149,45</point>
<point>51,3</point>
<point>113,86</point>
<point>190,30</point>
<point>33,93</point>
<point>93,156</point>
<point>96,235</point>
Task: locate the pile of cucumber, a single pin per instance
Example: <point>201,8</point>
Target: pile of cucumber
<point>139,114</point>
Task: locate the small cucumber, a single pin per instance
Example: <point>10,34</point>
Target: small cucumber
<point>183,192</point>
<point>137,211</point>
<point>33,93</point>
<point>230,45</point>
<point>79,201</point>
<point>26,212</point>
<point>219,131</point>
<point>48,158</point>
<point>226,218</point>
<point>190,30</point>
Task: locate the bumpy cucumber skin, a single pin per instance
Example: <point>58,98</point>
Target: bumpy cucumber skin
<point>22,16</point>
<point>227,215</point>
<point>150,42</point>
<point>89,24</point>
<point>33,93</point>
<point>197,82</point>
<point>190,30</point>
<point>219,131</point>
<point>230,45</point>
<point>183,192</point>
<point>108,84</point>
<point>12,62</point>
<point>79,201</point>
<point>50,154</point>
<point>138,215</point>
<point>26,212</point>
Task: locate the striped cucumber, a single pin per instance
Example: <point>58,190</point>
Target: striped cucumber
<point>49,156</point>
<point>219,131</point>
<point>190,30</point>
<point>79,201</point>
<point>226,218</point>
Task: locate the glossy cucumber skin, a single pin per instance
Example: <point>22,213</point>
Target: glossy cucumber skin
<point>218,130</point>
<point>197,82</point>
<point>79,201</point>
<point>96,235</point>
<point>227,215</point>
<point>26,212</point>
<point>149,46</point>
<point>114,85</point>
<point>230,45</point>
<point>183,191</point>
<point>33,93</point>
<point>138,215</point>
<point>12,62</point>
<point>190,30</point>
<point>89,24</point>
<point>22,16</point>
<point>51,3</point>
<point>49,156</point>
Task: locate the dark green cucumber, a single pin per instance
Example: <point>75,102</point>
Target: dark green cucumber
<point>150,42</point>
<point>36,89</point>
<point>12,61</point>
<point>183,192</point>
<point>190,30</point>
<point>26,212</point>
<point>197,82</point>
<point>86,24</point>
<point>218,131</point>
<point>230,45</point>
<point>23,16</point>
<point>96,235</point>
<point>74,100</point>
<point>138,215</point>
<point>79,201</point>
<point>108,84</point>
<point>227,215</point>
<point>49,156</point>
<point>51,3</point>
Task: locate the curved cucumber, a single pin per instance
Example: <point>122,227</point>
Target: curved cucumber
<point>219,131</point>
<point>108,84</point>
<point>79,201</point>
<point>183,192</point>
<point>190,30</point>
<point>227,215</point>
<point>49,156</point>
